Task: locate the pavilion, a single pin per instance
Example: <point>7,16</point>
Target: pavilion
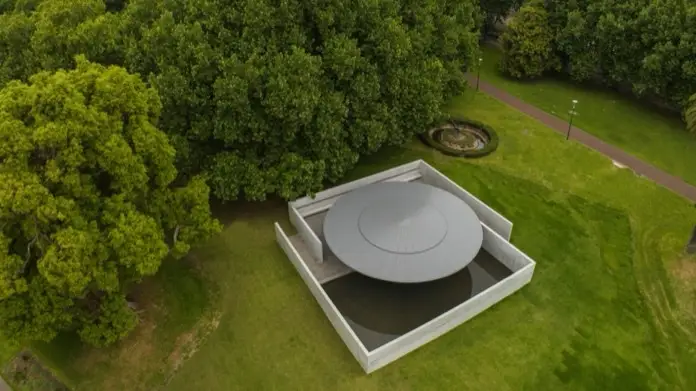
<point>419,233</point>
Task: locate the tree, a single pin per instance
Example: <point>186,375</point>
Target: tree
<point>87,202</point>
<point>277,99</point>
<point>495,11</point>
<point>690,114</point>
<point>645,47</point>
<point>527,43</point>
<point>262,97</point>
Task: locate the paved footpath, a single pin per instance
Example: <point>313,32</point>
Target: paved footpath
<point>641,167</point>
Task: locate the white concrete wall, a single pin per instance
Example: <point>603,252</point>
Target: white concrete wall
<point>448,321</point>
<point>340,325</point>
<point>303,202</point>
<point>485,213</point>
<point>316,248</point>
<point>504,251</point>
<point>496,233</point>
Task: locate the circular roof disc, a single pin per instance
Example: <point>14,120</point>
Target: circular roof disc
<point>403,232</point>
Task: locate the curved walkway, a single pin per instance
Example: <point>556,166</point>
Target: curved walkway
<point>641,167</point>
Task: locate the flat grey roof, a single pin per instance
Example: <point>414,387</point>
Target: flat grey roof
<point>403,232</point>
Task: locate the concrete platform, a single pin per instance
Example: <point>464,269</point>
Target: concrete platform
<point>324,272</point>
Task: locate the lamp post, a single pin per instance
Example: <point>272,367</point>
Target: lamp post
<point>572,113</point>
<point>478,75</point>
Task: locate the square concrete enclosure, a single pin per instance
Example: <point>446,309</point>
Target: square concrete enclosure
<point>319,267</point>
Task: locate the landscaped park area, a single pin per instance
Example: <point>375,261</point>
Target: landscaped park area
<point>610,306</point>
<point>636,127</point>
<point>307,195</point>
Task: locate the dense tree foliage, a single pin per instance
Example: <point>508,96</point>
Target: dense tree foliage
<point>527,43</point>
<point>87,201</point>
<point>646,46</point>
<point>104,174</point>
<point>266,97</point>
<point>495,11</point>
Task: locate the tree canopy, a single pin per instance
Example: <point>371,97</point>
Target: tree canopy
<point>495,11</point>
<point>264,97</point>
<point>88,203</point>
<point>527,43</point>
<point>645,46</point>
<point>103,174</point>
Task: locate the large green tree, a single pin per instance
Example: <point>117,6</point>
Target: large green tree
<point>644,46</point>
<point>88,203</point>
<point>528,43</point>
<point>495,11</point>
<point>265,97</point>
<point>300,89</point>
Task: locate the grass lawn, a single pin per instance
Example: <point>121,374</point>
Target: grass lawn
<point>7,351</point>
<point>610,306</point>
<point>619,120</point>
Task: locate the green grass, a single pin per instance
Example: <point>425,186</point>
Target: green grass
<point>176,311</point>
<point>7,350</point>
<point>619,120</point>
<point>608,308</point>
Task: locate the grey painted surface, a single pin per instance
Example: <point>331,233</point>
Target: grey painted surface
<point>504,251</point>
<point>448,321</point>
<point>485,213</point>
<point>324,272</point>
<point>338,322</point>
<point>310,237</point>
<point>341,189</point>
<point>403,232</point>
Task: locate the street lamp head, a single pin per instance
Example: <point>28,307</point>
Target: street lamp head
<point>575,101</point>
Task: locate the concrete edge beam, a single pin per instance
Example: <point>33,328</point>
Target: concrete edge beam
<point>486,214</point>
<point>316,247</point>
<point>351,340</point>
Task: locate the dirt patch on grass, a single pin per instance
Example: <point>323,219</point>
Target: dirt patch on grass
<point>684,272</point>
<point>187,344</point>
<point>135,357</point>
<point>25,372</point>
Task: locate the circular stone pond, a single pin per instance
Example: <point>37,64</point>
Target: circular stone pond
<point>460,137</point>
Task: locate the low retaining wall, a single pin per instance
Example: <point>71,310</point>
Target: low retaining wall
<point>305,205</point>
<point>486,214</point>
<point>340,325</point>
<point>314,244</point>
<point>523,269</point>
<point>504,251</point>
<point>496,234</point>
<point>448,321</point>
